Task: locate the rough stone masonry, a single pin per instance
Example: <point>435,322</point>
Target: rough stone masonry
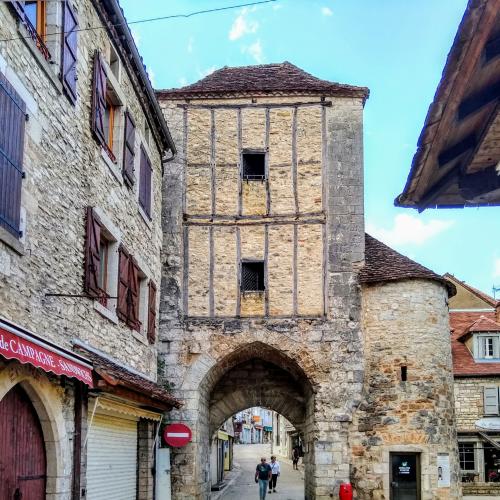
<point>301,344</point>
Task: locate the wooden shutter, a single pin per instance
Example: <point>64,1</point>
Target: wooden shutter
<point>134,296</point>
<point>123,283</point>
<point>99,99</point>
<point>18,8</point>
<point>145,183</point>
<point>491,400</point>
<point>12,123</point>
<point>152,313</point>
<point>129,150</point>
<point>69,48</point>
<point>92,255</point>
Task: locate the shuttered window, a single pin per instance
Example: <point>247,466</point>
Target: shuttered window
<point>129,150</point>
<point>128,290</point>
<point>69,48</point>
<point>92,254</point>
<point>152,313</point>
<point>99,100</point>
<point>491,400</point>
<point>145,184</point>
<point>12,122</point>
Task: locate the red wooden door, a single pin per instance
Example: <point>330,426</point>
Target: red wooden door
<point>23,462</point>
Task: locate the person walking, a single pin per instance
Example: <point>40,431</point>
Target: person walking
<point>295,458</point>
<point>275,472</point>
<point>263,476</point>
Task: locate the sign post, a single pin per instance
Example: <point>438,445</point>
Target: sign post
<point>177,435</point>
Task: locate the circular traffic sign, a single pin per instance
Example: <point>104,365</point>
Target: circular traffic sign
<point>177,435</point>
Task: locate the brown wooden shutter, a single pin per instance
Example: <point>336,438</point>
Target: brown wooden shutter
<point>145,183</point>
<point>99,99</point>
<point>134,296</point>
<point>129,150</point>
<point>152,313</point>
<point>12,123</point>
<point>122,308</point>
<point>92,255</point>
<point>69,49</point>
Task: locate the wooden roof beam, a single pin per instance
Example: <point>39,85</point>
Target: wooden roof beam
<point>458,149</point>
<point>478,100</point>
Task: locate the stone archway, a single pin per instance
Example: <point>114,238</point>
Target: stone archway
<point>254,374</point>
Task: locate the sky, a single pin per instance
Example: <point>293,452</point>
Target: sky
<point>396,48</point>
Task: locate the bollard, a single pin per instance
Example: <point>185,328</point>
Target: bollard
<point>345,491</point>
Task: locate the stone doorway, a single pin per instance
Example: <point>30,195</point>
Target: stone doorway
<point>254,375</point>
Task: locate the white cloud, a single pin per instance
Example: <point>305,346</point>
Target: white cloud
<point>242,26</point>
<point>189,47</point>
<point>408,230</point>
<point>255,50</point>
<point>496,268</point>
<point>326,11</point>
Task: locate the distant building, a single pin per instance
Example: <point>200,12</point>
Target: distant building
<point>475,337</point>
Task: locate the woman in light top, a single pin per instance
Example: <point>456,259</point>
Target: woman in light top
<point>275,471</point>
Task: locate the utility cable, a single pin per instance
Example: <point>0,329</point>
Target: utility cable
<point>153,19</point>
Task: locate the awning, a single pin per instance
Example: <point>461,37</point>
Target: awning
<point>268,428</point>
<point>224,436</point>
<point>125,382</point>
<point>489,440</point>
<point>24,346</point>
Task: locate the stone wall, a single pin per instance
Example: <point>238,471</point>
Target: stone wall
<point>469,400</point>
<point>307,222</point>
<point>405,325</point>
<point>66,171</point>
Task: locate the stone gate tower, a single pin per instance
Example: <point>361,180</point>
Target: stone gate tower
<point>269,298</point>
<point>264,233</point>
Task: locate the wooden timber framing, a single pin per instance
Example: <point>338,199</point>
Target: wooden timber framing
<point>240,164</point>
<point>266,271</point>
<point>185,269</point>
<point>236,218</point>
<point>262,222</point>
<point>268,191</point>
<point>256,105</point>
<point>238,272</point>
<point>213,180</point>
<point>185,162</point>
<point>295,285</point>
<point>211,268</point>
<point>294,160</point>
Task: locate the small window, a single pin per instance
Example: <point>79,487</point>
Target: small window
<point>254,166</point>
<point>36,14</point>
<point>145,184</point>
<point>252,276</point>
<point>467,456</point>
<point>489,347</point>
<point>104,261</point>
<point>109,124</point>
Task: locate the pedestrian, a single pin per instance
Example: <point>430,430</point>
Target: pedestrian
<point>263,476</point>
<point>275,472</point>
<point>295,458</point>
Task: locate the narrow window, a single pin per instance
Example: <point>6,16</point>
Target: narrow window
<point>36,14</point>
<point>12,118</point>
<point>404,376</point>
<point>104,256</point>
<point>145,184</point>
<point>109,123</point>
<point>254,166</point>
<point>252,276</point>
<point>69,52</point>
<point>467,457</point>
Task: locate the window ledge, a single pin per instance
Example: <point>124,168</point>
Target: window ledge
<point>11,241</point>
<point>145,218</point>
<point>112,166</point>
<point>46,66</point>
<point>253,292</point>
<point>141,337</point>
<point>107,313</point>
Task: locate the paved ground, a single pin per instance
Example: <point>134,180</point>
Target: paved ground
<point>246,457</point>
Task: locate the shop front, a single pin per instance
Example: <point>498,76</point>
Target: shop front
<point>39,383</point>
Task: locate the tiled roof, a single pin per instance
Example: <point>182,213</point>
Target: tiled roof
<point>262,79</point>
<point>116,374</point>
<point>382,263</point>
<point>463,362</point>
<point>483,324</point>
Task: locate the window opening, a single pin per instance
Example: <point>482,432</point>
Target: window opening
<point>404,373</point>
<point>104,245</point>
<point>254,166</point>
<point>36,24</point>
<point>252,276</point>
<point>466,454</point>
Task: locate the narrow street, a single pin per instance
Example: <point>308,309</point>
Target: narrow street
<point>246,457</point>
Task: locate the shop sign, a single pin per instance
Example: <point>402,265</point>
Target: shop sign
<point>177,435</point>
<point>27,349</point>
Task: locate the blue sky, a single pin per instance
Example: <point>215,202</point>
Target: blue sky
<point>397,49</point>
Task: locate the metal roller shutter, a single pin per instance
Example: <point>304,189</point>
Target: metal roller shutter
<point>112,459</point>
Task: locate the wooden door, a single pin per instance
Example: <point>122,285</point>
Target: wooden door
<point>23,461</point>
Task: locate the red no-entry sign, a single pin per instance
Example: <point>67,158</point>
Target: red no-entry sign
<point>177,435</point>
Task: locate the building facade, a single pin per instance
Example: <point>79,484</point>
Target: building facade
<point>474,319</point>
<point>82,141</point>
<point>271,299</point>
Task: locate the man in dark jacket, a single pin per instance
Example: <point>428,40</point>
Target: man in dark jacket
<point>262,476</point>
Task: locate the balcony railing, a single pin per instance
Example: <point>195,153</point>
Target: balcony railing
<point>37,39</point>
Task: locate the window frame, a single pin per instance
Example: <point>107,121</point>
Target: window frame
<point>474,452</point>
<point>249,262</point>
<point>480,346</point>
<point>253,177</point>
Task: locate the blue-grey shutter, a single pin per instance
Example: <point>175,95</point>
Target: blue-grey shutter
<point>491,400</point>
<point>69,49</point>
